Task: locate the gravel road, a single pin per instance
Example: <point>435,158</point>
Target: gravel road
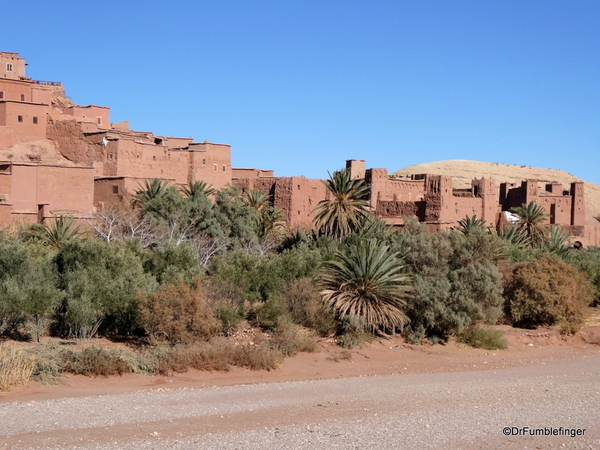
<point>458,410</point>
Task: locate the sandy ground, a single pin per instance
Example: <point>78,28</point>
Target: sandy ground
<point>381,357</point>
<point>389,395</point>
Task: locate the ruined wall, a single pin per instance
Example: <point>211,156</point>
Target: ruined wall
<point>397,210</point>
<point>250,173</point>
<point>68,137</point>
<point>388,189</point>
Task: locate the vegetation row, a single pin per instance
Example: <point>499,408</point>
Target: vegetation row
<point>179,270</point>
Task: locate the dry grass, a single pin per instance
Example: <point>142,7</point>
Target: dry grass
<point>16,367</point>
<point>342,355</point>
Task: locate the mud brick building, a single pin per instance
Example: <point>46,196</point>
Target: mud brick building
<point>57,157</point>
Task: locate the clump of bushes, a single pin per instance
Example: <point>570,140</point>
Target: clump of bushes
<point>486,338</point>
<point>546,292</point>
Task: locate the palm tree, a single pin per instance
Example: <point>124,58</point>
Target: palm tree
<point>558,241</point>
<point>57,232</point>
<point>368,281</point>
<point>467,225</point>
<point>512,236</point>
<point>150,191</point>
<point>532,215</point>
<point>345,210</point>
<point>269,220</point>
<point>197,189</point>
<point>256,199</point>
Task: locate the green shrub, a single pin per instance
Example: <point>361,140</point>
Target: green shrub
<point>307,308</point>
<point>487,338</point>
<point>270,312</point>
<point>230,318</point>
<point>49,362</point>
<point>353,332</point>
<point>546,292</point>
<point>102,282</point>
<point>288,339</point>
<point>456,282</point>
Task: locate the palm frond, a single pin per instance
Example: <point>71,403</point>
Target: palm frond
<point>368,281</point>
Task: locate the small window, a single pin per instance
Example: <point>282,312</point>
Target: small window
<point>22,97</point>
<point>203,161</point>
<point>9,67</point>
<point>215,167</point>
<point>20,118</point>
<point>115,189</point>
<point>35,121</point>
<point>154,158</point>
<point>224,168</point>
<point>1,94</point>
<point>298,187</point>
<point>99,120</point>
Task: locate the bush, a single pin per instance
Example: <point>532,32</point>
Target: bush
<point>307,308</point>
<point>102,282</point>
<point>289,340</point>
<point>456,282</point>
<point>258,357</point>
<point>49,362</point>
<point>16,367</point>
<point>352,332</point>
<point>547,292</point>
<point>487,338</point>
<point>201,356</point>
<point>94,361</point>
<point>178,313</point>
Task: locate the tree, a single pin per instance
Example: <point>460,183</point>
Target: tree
<point>55,233</point>
<point>467,225</point>
<point>532,215</point>
<point>198,189</point>
<point>345,209</point>
<point>368,281</point>
<point>150,190</point>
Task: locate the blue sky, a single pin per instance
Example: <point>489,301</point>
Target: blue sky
<point>301,86</point>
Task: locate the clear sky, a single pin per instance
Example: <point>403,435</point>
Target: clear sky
<point>301,86</point>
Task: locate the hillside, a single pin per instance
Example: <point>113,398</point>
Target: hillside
<point>463,171</point>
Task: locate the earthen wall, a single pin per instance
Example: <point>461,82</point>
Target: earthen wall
<point>28,120</point>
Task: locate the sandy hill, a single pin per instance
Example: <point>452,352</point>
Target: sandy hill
<point>463,171</point>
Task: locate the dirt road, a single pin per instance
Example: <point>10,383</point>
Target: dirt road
<point>456,410</point>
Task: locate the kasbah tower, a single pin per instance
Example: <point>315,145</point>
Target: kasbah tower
<point>59,158</point>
